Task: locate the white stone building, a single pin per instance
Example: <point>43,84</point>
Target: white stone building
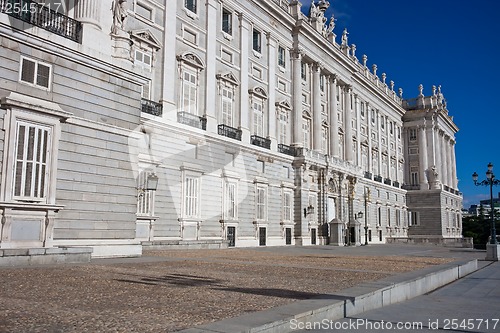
<point>262,127</point>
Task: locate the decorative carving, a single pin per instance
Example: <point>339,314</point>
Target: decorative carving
<point>344,37</point>
<point>229,77</point>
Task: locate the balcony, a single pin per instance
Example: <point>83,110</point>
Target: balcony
<point>43,16</point>
<point>150,107</point>
<point>368,175</point>
<point>286,149</point>
<point>260,141</point>
<point>229,131</point>
<point>378,178</point>
<point>411,187</point>
<point>387,181</point>
<point>395,184</point>
<point>192,120</point>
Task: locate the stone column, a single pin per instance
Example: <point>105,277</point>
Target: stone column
<point>210,58</point>
<point>316,107</point>
<point>88,12</point>
<point>369,131</point>
<point>297,98</point>
<point>438,154</point>
<point>449,165</point>
<point>271,95</point>
<point>431,142</point>
<point>454,183</point>
<point>445,160</point>
<point>422,146</point>
<point>170,75</point>
<point>379,133</point>
<point>358,130</point>
<point>348,123</point>
<point>388,140</point>
<point>244,98</point>
<point>334,121</point>
<point>396,151</point>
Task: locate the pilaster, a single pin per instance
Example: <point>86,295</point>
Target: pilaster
<point>422,144</point>
<point>296,57</point>
<point>244,47</point>
<point>271,95</point>
<point>348,123</point>
<point>369,131</point>
<point>358,135</point>
<point>210,73</point>
<point>334,121</point>
<point>169,73</point>
<point>454,166</point>
<point>316,110</point>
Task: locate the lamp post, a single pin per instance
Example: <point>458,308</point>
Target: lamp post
<point>489,181</point>
<point>367,198</point>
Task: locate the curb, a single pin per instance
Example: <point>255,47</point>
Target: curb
<point>346,303</point>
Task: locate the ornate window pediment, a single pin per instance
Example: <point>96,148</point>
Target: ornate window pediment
<point>259,92</point>
<point>145,37</point>
<point>191,59</point>
<point>229,77</point>
<point>324,123</point>
<point>306,114</point>
<point>285,104</point>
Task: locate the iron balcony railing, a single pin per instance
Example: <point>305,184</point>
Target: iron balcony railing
<point>410,187</point>
<point>147,106</point>
<point>395,184</point>
<point>387,181</point>
<point>368,175</point>
<point>260,141</point>
<point>192,120</point>
<point>378,178</point>
<point>43,16</point>
<point>286,149</point>
<point>229,131</point>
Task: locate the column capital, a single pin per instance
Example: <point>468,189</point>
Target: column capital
<point>297,53</point>
<point>318,66</point>
<point>333,78</point>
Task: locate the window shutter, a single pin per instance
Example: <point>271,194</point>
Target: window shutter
<point>28,71</point>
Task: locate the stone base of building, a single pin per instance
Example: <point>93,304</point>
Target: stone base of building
<point>184,245</point>
<point>463,242</point>
<point>492,251</point>
<point>44,256</point>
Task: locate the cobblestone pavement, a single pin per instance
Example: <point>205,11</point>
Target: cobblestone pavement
<point>165,291</point>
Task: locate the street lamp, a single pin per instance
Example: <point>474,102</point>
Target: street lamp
<point>489,181</point>
<point>367,198</point>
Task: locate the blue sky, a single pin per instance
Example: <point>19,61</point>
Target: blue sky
<point>452,43</point>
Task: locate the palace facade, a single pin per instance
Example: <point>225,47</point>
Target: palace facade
<point>210,124</point>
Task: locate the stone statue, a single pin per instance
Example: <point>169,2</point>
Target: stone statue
<point>353,50</point>
<point>421,89</point>
<point>432,177</point>
<point>344,37</point>
<point>119,15</point>
<point>313,11</point>
<point>331,24</point>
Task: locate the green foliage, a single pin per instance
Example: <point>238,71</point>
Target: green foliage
<point>478,227</point>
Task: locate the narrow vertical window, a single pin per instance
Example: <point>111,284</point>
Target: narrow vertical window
<point>227,21</point>
<point>191,196</point>
<point>287,206</point>
<point>257,42</point>
<point>227,106</point>
<point>231,201</point>
<point>306,131</point>
<point>30,170</point>
<point>258,118</point>
<point>283,128</point>
<point>281,57</point>
<point>189,92</point>
<point>145,197</point>
<point>190,5</point>
<point>261,203</point>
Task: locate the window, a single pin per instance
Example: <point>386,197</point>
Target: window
<point>306,131</point>
<point>189,92</point>
<point>31,161</point>
<point>324,140</point>
<point>144,11</point>
<point>303,71</point>
<point>388,215</point>
<point>146,91</point>
<point>362,110</point>
<point>143,59</point>
<point>322,83</point>
<point>379,216</point>
<point>281,56</point>
<point>261,203</point>
<point>413,134</point>
<point>373,116</point>
<point>190,5</point>
<point>145,199</point>
<point>287,206</point>
<point>414,219</point>
<point>413,151</point>
<point>414,176</point>
<point>257,42</point>
<point>230,201</point>
<point>227,21</point>
<point>227,100</point>
<point>258,118</point>
<point>391,130</point>
<point>191,196</point>
<point>35,73</point>
<point>283,127</point>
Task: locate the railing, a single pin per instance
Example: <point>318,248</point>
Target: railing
<point>283,4</point>
<point>229,131</point>
<point>192,120</point>
<point>395,184</point>
<point>368,175</point>
<point>387,181</point>
<point>286,149</point>
<point>378,178</point>
<point>313,154</point>
<point>147,106</point>
<point>260,141</point>
<point>43,16</point>
<point>410,187</point>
